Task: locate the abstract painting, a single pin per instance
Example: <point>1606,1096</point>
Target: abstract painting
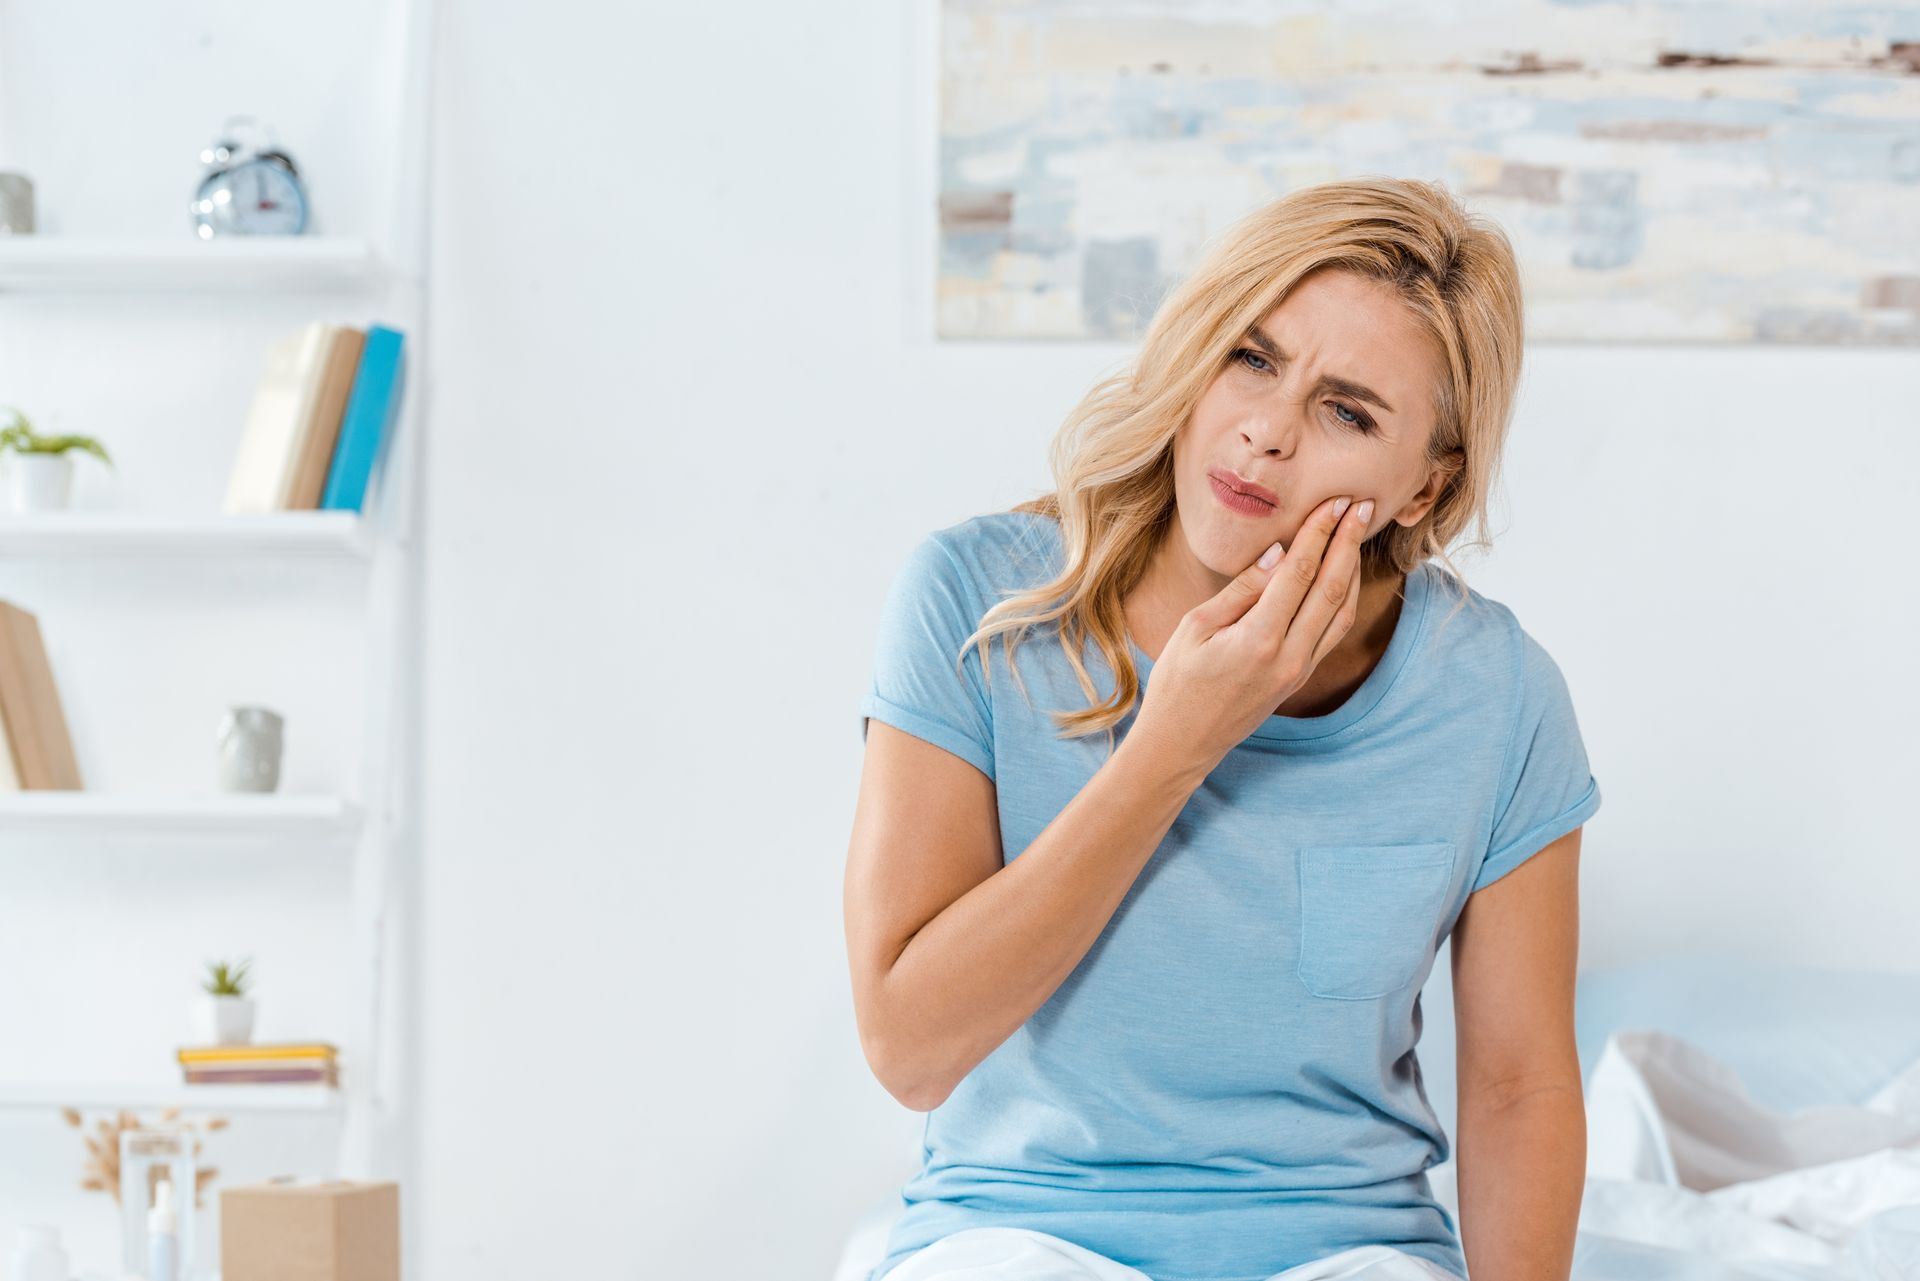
<point>1667,171</point>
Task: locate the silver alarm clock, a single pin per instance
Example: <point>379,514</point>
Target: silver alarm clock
<point>248,190</point>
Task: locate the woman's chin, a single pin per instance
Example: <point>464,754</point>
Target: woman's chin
<point>1229,552</point>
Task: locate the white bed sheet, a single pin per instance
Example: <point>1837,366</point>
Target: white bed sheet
<point>1681,1159</point>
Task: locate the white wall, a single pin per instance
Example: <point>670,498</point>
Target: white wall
<point>670,243</point>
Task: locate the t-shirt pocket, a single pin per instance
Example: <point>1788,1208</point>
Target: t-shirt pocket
<point>1367,914</point>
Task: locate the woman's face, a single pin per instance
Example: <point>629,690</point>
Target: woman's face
<point>1331,393</point>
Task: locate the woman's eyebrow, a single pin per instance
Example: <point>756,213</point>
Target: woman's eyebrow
<point>1345,386</point>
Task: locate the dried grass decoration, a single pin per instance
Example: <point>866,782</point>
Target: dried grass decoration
<point>102,1169</point>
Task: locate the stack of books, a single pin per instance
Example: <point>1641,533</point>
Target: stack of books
<point>284,1063</point>
<point>321,411</point>
<point>35,752</point>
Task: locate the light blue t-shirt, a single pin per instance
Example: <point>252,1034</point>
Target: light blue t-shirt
<point>1226,1085</point>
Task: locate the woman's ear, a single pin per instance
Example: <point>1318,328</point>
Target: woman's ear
<point>1421,503</point>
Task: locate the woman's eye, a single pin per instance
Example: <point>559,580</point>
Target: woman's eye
<point>1360,423</point>
<point>1255,361</point>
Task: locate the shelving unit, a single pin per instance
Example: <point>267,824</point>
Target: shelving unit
<point>318,1100</point>
<point>377,820</point>
<point>315,535</point>
<point>219,816</point>
<point>310,264</point>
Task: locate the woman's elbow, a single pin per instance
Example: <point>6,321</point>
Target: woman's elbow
<point>909,1081</point>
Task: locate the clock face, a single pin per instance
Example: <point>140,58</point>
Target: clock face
<point>257,198</point>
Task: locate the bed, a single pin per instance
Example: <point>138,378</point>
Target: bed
<point>1746,1121</point>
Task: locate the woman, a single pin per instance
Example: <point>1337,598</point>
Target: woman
<point>1159,998</point>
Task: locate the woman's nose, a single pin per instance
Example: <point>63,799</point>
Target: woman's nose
<point>1272,429</point>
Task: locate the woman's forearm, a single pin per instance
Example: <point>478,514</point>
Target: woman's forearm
<point>1522,1168</point>
<point>973,974</point>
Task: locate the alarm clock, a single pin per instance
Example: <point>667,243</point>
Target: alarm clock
<point>248,190</point>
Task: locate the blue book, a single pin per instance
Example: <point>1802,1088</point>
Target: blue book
<point>372,406</point>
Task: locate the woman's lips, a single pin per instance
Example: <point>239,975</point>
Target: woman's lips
<point>1241,485</point>
<point>1234,500</point>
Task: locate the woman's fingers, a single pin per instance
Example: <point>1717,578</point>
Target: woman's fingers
<point>1293,577</point>
<point>1331,590</point>
<point>1230,602</point>
<point>1343,618</point>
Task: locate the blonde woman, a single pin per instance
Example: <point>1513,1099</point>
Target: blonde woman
<point>1139,916</point>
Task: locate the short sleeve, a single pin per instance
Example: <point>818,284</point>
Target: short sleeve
<point>1546,787</point>
<point>916,685</point>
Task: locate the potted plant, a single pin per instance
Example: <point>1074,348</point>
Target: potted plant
<point>40,473</point>
<point>226,1011</point>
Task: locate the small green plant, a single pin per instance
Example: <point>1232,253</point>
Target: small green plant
<point>225,978</point>
<point>20,437</point>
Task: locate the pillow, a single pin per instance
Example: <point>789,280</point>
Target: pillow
<point>1797,1035</point>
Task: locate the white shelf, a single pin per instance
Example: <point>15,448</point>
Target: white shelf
<point>183,264</point>
<point>294,535</point>
<point>160,1095</point>
<point>109,815</point>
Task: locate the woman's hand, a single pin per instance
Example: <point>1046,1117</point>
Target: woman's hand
<point>1235,658</point>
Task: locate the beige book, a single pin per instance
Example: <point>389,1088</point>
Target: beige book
<point>322,428</point>
<point>16,707</point>
<point>30,705</point>
<point>9,772</point>
<point>283,402</point>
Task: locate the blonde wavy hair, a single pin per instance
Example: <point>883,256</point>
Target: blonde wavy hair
<point>1112,459</point>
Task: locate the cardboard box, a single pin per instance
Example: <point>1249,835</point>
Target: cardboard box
<point>289,1230</point>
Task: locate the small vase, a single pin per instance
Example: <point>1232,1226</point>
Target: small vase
<point>39,482</point>
<point>225,1020</point>
<point>16,204</point>
<point>249,743</point>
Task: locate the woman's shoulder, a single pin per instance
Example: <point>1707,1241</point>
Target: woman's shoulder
<point>1484,633</point>
<point>1003,550</point>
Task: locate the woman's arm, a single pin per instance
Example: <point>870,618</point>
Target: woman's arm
<point>1522,1142</point>
<point>950,950</point>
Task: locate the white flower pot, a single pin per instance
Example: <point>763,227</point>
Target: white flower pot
<point>39,482</point>
<point>225,1020</point>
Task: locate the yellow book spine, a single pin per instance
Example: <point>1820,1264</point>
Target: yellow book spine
<point>221,1053</point>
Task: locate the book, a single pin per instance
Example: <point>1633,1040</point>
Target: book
<point>236,1065</point>
<point>314,450</point>
<point>261,1076</point>
<point>283,402</point>
<point>264,1050</point>
<point>372,408</point>
<point>9,768</point>
<point>30,712</point>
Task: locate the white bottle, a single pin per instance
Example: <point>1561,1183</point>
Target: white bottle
<point>37,1255</point>
<point>163,1235</point>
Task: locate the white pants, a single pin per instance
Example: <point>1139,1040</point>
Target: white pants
<point>1022,1254</point>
